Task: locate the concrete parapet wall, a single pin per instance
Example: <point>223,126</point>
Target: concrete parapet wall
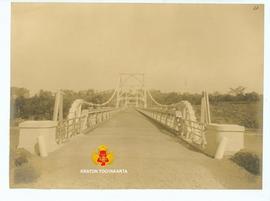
<point>216,132</point>
<point>31,130</point>
<point>47,136</point>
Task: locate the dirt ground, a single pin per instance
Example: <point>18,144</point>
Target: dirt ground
<point>153,157</point>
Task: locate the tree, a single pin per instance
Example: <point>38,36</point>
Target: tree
<point>19,92</point>
<point>253,96</point>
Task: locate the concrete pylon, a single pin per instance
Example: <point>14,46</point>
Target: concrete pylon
<point>58,106</point>
<point>137,99</point>
<point>205,108</point>
<point>126,100</point>
<point>145,98</point>
<point>117,98</point>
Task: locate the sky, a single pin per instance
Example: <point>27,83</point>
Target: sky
<point>179,47</point>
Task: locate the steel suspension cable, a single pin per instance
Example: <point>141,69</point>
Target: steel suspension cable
<point>152,98</point>
<point>102,104</point>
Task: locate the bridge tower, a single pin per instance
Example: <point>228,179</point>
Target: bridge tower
<point>131,90</point>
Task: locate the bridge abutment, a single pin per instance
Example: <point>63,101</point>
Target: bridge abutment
<point>216,132</point>
<point>30,131</point>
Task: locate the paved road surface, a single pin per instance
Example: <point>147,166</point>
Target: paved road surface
<point>153,157</point>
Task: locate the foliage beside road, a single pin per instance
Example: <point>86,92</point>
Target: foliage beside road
<point>248,160</point>
<point>235,107</point>
<point>248,114</point>
<point>245,109</point>
<point>41,105</point>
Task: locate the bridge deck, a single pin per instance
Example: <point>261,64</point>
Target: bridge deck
<point>153,157</point>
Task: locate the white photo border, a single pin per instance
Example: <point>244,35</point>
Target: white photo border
<point>37,194</point>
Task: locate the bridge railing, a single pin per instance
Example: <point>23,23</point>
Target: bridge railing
<point>192,132</point>
<point>69,128</point>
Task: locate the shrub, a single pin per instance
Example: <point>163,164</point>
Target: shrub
<point>248,160</point>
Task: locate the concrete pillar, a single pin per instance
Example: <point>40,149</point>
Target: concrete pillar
<point>205,108</point>
<point>58,107</point>
<point>145,99</point>
<point>117,99</point>
<point>137,99</point>
<point>216,132</point>
<point>42,146</point>
<point>221,148</point>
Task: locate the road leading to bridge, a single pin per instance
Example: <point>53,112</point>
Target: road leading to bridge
<point>153,157</point>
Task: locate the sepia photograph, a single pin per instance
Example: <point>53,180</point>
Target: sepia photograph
<point>136,96</point>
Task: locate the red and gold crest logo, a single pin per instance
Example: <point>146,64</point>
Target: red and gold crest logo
<point>102,157</point>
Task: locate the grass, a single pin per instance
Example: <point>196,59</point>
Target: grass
<point>24,168</point>
<point>23,165</point>
<point>14,141</point>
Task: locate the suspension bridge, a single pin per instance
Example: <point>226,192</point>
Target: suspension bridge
<point>153,145</point>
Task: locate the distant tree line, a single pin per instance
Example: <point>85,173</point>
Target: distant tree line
<point>40,106</point>
<point>234,95</point>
